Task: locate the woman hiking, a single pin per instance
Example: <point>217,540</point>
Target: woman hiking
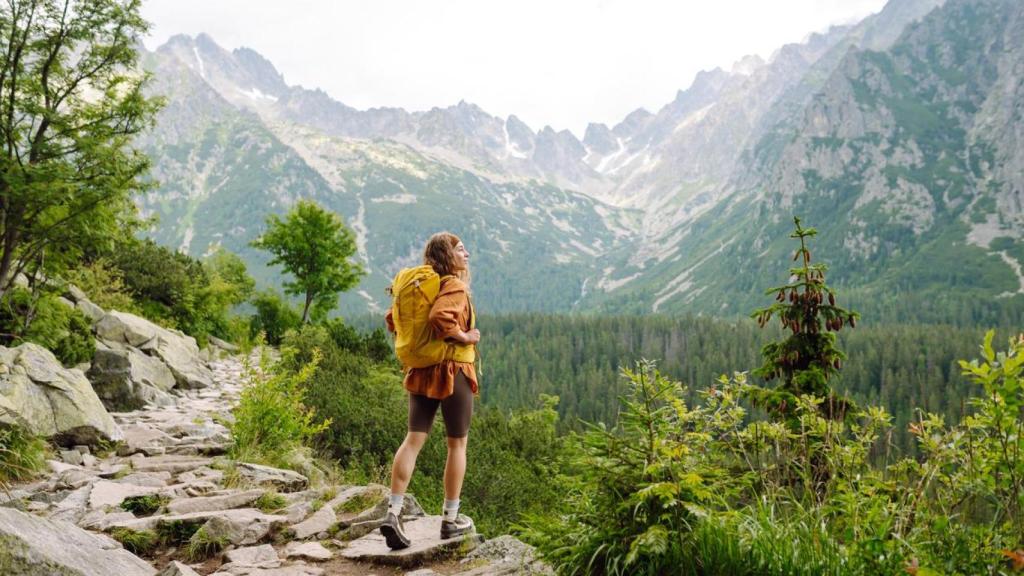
<point>439,372</point>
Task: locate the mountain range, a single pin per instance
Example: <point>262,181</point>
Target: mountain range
<point>900,137</point>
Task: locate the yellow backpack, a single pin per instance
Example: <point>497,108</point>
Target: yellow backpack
<point>413,292</point>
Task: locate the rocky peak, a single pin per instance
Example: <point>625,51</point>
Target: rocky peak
<point>599,139</point>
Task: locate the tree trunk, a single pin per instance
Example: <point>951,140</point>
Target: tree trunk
<point>305,309</point>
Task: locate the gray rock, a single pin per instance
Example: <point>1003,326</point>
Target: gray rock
<point>139,437</point>
<point>32,545</point>
<point>283,480</point>
<point>74,506</point>
<point>151,479</point>
<point>507,555</point>
<point>106,493</point>
<point>209,503</point>
<point>320,521</point>
<point>226,346</point>
<point>263,556</point>
<point>129,380</point>
<point>427,545</point>
<point>308,550</point>
<point>66,302</point>
<point>49,400</point>
<point>75,293</point>
<point>178,351</point>
<point>73,457</point>
<point>176,568</point>
<point>242,526</point>
<point>93,312</point>
<point>172,464</point>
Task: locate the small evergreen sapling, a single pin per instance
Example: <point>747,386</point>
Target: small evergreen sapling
<point>806,359</point>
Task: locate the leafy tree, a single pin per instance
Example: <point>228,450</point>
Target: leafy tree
<point>71,101</point>
<point>274,317</point>
<point>808,357</point>
<point>314,246</point>
<point>228,274</point>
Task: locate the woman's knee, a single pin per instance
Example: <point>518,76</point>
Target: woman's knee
<point>457,443</point>
<point>415,441</point>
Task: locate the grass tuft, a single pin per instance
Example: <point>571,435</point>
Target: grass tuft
<point>139,542</point>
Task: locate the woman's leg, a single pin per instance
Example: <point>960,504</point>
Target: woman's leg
<point>405,461</point>
<point>455,467</point>
<point>457,410</point>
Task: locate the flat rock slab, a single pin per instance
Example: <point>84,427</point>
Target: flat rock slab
<point>33,545</point>
<point>319,522</point>
<point>172,464</point>
<point>310,551</point>
<point>296,570</point>
<point>425,534</point>
<point>253,556</point>
<point>107,493</point>
<point>209,503</point>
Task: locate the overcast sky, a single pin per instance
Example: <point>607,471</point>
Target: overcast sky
<point>562,63</point>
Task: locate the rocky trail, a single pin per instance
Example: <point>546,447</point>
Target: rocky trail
<point>167,491</point>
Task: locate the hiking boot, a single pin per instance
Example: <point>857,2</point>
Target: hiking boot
<point>454,528</point>
<point>392,531</point>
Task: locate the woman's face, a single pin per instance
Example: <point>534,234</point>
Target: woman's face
<point>461,257</point>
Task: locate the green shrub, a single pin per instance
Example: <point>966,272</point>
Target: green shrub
<point>183,292</point>
<point>140,542</point>
<point>22,455</point>
<point>103,283</point>
<point>44,319</point>
<point>271,423</point>
<point>175,532</point>
<point>144,505</point>
<point>273,317</point>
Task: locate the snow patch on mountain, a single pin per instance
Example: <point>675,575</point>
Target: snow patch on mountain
<point>256,94</point>
<point>511,150</point>
<point>199,59</point>
<point>602,166</point>
<point>395,199</point>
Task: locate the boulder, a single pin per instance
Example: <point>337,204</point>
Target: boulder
<point>129,380</point>
<point>93,312</point>
<point>242,526</point>
<point>40,395</point>
<point>33,545</point>
<point>179,352</point>
<point>225,346</point>
<point>75,293</point>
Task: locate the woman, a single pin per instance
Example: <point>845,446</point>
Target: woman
<point>449,384</point>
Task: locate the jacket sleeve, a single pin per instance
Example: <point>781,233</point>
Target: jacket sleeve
<point>444,314</point>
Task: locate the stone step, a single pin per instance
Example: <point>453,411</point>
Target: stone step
<point>427,545</point>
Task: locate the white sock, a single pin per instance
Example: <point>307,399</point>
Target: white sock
<point>451,509</point>
<point>395,504</point>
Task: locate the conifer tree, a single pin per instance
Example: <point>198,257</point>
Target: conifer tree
<point>807,358</point>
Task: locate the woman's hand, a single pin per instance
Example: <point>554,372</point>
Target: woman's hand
<point>471,337</point>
